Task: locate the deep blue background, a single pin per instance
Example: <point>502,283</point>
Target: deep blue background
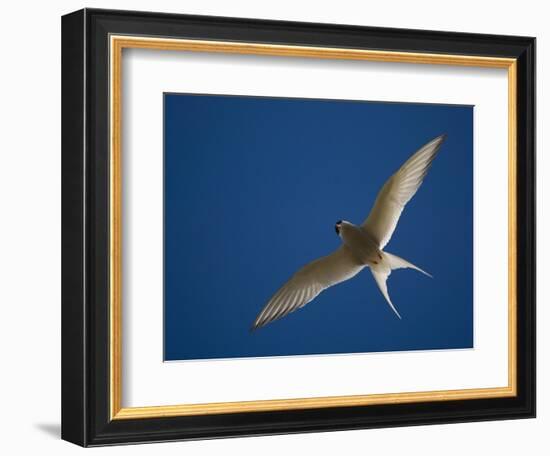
<point>253,188</point>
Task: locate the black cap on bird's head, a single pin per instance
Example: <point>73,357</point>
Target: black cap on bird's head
<point>337,226</point>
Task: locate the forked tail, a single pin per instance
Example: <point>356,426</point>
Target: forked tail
<point>382,271</point>
<point>396,262</point>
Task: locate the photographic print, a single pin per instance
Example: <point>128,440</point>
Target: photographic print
<point>244,199</point>
<point>311,226</point>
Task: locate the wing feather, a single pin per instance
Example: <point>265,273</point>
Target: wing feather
<point>398,191</point>
<point>307,283</point>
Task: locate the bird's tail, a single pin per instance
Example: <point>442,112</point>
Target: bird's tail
<point>382,271</point>
<point>395,262</point>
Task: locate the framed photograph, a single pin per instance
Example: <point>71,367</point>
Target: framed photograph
<point>276,227</point>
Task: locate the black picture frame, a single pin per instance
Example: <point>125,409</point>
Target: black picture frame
<point>85,225</point>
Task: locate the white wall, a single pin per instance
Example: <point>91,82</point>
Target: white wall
<point>30,225</point>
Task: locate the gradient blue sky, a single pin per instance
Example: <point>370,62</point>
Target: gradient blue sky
<point>253,188</point>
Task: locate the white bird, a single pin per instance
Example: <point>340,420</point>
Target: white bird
<point>362,246</point>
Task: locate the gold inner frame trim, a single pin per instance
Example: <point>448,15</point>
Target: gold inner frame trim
<point>117,44</point>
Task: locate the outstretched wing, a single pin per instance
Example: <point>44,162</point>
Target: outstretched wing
<point>397,192</point>
<point>308,282</point>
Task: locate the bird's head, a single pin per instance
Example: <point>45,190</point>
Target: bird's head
<point>341,226</point>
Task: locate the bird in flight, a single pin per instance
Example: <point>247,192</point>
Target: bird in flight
<point>362,246</point>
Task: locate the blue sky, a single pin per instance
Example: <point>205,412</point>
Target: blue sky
<point>253,188</point>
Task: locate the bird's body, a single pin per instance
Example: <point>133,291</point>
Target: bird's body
<point>362,246</point>
<point>360,243</point>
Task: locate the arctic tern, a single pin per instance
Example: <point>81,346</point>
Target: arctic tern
<point>362,246</point>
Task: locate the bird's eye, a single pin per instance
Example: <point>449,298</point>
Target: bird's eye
<point>337,226</point>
